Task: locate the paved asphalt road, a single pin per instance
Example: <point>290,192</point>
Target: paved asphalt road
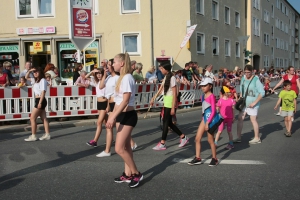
<point>66,168</point>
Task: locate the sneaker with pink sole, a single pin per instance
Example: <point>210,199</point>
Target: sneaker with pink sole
<point>160,147</point>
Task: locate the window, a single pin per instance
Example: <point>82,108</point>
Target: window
<point>266,39</point>
<point>215,10</point>
<point>281,25</point>
<point>276,22</point>
<point>266,16</point>
<point>282,44</point>
<point>286,46</point>
<point>277,43</point>
<point>266,61</point>
<point>227,15</point>
<point>237,50</point>
<point>200,7</point>
<point>272,52</point>
<point>287,28</point>
<point>278,4</point>
<point>237,20</point>
<point>131,43</point>
<point>272,11</point>
<point>272,32</point>
<point>227,47</point>
<point>200,43</point>
<point>215,45</point>
<point>256,26</point>
<point>130,6</point>
<point>35,8</point>
<point>256,4</point>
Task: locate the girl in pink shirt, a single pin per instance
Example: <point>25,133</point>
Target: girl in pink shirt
<point>225,106</point>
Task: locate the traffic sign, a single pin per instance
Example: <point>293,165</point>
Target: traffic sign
<point>81,26</point>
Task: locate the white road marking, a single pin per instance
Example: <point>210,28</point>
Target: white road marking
<point>226,162</point>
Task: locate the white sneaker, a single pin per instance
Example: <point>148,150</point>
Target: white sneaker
<point>255,141</point>
<point>292,119</point>
<point>277,113</point>
<point>103,154</point>
<point>134,146</point>
<point>45,137</point>
<point>31,138</point>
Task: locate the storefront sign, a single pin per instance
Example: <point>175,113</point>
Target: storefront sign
<point>71,46</point>
<point>5,57</point>
<point>9,48</point>
<point>36,30</point>
<point>90,55</point>
<point>38,46</point>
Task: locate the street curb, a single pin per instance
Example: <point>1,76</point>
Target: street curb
<point>80,123</point>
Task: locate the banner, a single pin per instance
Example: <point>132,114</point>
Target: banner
<point>188,35</point>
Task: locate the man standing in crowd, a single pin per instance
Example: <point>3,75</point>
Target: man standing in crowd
<point>209,73</point>
<point>196,74</point>
<point>24,72</point>
<point>133,63</point>
<point>104,63</point>
<point>187,74</point>
<point>159,74</point>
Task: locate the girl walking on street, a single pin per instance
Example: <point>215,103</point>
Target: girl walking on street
<point>210,122</point>
<point>126,119</point>
<point>225,106</point>
<point>170,98</point>
<point>39,88</point>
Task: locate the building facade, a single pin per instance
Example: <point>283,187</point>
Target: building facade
<point>151,31</point>
<point>273,26</point>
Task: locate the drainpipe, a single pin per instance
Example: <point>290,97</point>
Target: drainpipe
<point>151,30</point>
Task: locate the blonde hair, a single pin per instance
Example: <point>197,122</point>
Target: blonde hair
<point>7,64</point>
<point>126,69</point>
<point>47,75</point>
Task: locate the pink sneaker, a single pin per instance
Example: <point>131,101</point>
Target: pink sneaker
<point>92,143</point>
<point>159,147</point>
<point>229,146</point>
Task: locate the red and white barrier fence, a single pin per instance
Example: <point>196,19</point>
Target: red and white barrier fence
<point>67,101</point>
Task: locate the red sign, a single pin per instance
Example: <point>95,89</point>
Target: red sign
<point>82,23</point>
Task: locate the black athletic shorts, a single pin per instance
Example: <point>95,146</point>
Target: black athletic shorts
<point>44,103</point>
<point>102,105</point>
<point>112,106</point>
<point>127,118</point>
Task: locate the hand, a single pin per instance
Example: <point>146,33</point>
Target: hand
<point>206,127</point>
<point>110,122</point>
<point>275,108</point>
<point>252,105</point>
<point>107,110</point>
<point>95,70</point>
<point>39,106</point>
<point>172,111</point>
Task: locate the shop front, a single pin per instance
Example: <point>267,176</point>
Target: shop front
<point>10,52</point>
<point>67,58</point>
<point>38,53</point>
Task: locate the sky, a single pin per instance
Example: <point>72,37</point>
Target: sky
<point>295,4</point>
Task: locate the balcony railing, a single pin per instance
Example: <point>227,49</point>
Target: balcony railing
<point>296,55</point>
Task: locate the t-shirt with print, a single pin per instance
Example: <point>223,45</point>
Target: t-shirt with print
<point>187,74</point>
<point>225,106</point>
<point>127,85</point>
<point>287,98</point>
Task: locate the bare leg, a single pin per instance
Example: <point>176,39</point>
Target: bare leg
<point>255,126</point>
<point>99,124</point>
<point>210,138</point>
<point>286,124</point>
<point>218,135</point>
<point>123,148</point>
<point>45,121</point>
<point>289,122</point>
<point>198,138</point>
<point>241,118</point>
<point>34,114</point>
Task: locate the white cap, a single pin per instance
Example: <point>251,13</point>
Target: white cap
<point>206,81</point>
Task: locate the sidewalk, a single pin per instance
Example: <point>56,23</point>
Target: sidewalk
<point>75,122</point>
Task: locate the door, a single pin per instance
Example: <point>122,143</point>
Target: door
<point>256,61</point>
<point>40,60</point>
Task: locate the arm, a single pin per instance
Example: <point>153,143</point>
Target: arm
<point>174,90</point>
<point>102,83</point>
<point>212,100</point>
<point>260,90</point>
<point>41,99</point>
<point>295,105</point>
<point>278,84</point>
<point>27,77</point>
<point>298,83</point>
<point>277,104</point>
<point>155,96</point>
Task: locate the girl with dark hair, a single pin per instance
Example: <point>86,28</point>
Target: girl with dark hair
<point>101,102</point>
<point>170,97</point>
<point>39,88</point>
<point>126,119</point>
<point>255,93</point>
<point>210,122</point>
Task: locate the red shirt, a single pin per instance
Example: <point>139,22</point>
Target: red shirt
<point>293,82</point>
<point>3,79</point>
<point>267,86</point>
<point>232,92</point>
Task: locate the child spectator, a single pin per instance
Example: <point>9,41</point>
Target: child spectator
<point>289,105</point>
<point>48,79</point>
<point>22,82</point>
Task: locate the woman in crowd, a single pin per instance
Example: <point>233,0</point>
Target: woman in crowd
<point>126,119</point>
<point>39,88</point>
<point>151,75</point>
<point>49,69</point>
<point>137,74</point>
<point>82,80</point>
<point>3,78</point>
<point>255,94</point>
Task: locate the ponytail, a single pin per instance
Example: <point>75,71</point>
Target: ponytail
<point>126,69</point>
